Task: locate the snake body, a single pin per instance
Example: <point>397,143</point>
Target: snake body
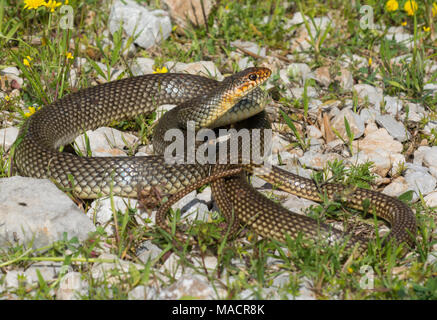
<point>215,103</point>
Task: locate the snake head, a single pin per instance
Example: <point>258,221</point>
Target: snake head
<point>245,81</point>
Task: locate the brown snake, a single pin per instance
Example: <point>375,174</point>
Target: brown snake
<point>209,103</point>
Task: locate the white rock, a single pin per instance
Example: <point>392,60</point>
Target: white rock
<point>163,109</point>
<point>396,188</point>
<point>379,157</point>
<point>249,46</point>
<point>355,122</point>
<point>13,279</point>
<point>379,139</point>
<point>395,128</point>
<point>102,270</point>
<point>188,286</point>
<point>146,27</point>
<point>316,160</point>
<point>242,61</point>
<point>297,18</point>
<point>405,38</point>
<point>430,157</point>
<point>148,251</point>
<point>203,68</point>
<point>393,105</point>
<point>142,293</point>
<point>397,161</point>
<point>205,196</point>
<point>71,287</point>
<point>420,181</point>
<point>8,137</point>
<point>101,210</point>
<point>346,61</point>
<point>297,92</point>
<point>36,210</point>
<point>314,132</point>
<point>296,204</point>
<point>369,115</point>
<point>49,270</point>
<point>373,94</point>
<point>172,266</point>
<point>10,74</point>
<point>105,142</point>
<point>345,79</point>
<point>296,71</point>
<point>430,86</point>
<point>431,199</point>
<point>142,66</point>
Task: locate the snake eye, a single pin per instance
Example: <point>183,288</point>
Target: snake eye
<point>252,77</point>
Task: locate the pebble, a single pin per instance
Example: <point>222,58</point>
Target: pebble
<point>142,66</point>
<point>345,79</point>
<point>249,46</point>
<point>145,26</point>
<point>347,61</point>
<point>142,293</point>
<point>191,286</point>
<point>105,142</point>
<point>369,115</point>
<point>172,268</point>
<point>296,71</point>
<point>316,160</point>
<point>379,157</point>
<point>379,139</point>
<point>420,181</point>
<point>296,204</point>
<point>101,210</point>
<point>35,211</point>
<point>373,94</point>
<point>102,270</point>
<point>397,187</point>
<point>72,286</point>
<point>395,128</point>
<point>8,137</point>
<point>203,68</point>
<point>430,156</point>
<point>186,12</point>
<point>148,251</point>
<point>393,105</point>
<point>356,124</point>
<point>431,199</point>
<point>297,92</point>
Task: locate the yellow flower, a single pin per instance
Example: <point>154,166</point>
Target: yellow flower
<point>52,5</point>
<point>410,7</point>
<point>370,61</point>
<point>33,4</point>
<point>350,270</point>
<point>426,29</point>
<point>161,70</point>
<point>391,5</point>
<point>32,110</point>
<point>7,98</point>
<point>69,55</point>
<point>26,61</point>
<point>66,1</point>
<point>404,23</point>
<point>434,9</point>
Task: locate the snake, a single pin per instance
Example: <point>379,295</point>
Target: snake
<point>237,100</point>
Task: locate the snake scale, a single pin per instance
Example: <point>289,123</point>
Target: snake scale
<point>210,103</point>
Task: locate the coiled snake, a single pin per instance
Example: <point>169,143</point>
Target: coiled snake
<point>208,103</point>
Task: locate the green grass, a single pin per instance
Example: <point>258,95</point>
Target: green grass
<point>244,263</point>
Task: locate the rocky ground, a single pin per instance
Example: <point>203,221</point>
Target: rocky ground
<point>350,124</point>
